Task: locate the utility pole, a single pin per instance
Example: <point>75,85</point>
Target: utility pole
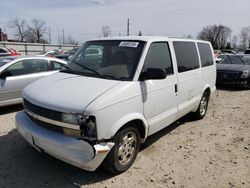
<point>49,36</point>
<point>0,34</point>
<point>128,27</point>
<point>63,36</point>
<point>58,35</point>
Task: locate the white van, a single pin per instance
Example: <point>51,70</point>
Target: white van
<point>100,108</point>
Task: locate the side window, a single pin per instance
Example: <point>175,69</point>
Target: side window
<point>55,65</point>
<point>159,57</point>
<point>39,65</point>
<point>224,59</point>
<point>205,54</point>
<point>236,60</point>
<point>186,56</point>
<point>27,67</point>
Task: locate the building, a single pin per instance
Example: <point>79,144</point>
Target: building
<point>3,36</point>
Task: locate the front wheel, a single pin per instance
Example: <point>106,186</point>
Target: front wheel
<point>202,109</point>
<point>124,152</point>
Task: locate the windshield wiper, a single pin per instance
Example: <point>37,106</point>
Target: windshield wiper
<point>85,67</point>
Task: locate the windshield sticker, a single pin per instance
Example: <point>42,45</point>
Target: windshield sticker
<point>129,44</point>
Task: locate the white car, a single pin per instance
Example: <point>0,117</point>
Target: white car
<point>16,73</point>
<point>101,108</point>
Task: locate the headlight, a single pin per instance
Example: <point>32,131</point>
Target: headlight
<point>245,74</point>
<point>76,119</point>
<point>87,124</point>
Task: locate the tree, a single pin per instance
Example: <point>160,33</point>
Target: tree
<point>235,42</point>
<point>37,29</point>
<point>20,28</point>
<point>244,37</point>
<point>106,31</point>
<point>70,40</point>
<point>218,35</point>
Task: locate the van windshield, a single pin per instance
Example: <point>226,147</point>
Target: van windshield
<point>109,59</point>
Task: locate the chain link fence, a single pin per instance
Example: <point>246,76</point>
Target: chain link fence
<point>36,48</point>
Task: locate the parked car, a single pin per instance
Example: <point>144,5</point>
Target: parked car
<point>229,51</point>
<point>247,51</point>
<point>19,72</point>
<point>7,59</point>
<point>68,55</point>
<point>96,113</point>
<point>52,53</point>
<point>233,70</point>
<point>8,52</point>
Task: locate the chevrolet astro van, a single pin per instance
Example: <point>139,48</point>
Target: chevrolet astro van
<point>100,108</point>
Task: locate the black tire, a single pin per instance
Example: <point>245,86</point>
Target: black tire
<point>116,163</point>
<point>202,109</point>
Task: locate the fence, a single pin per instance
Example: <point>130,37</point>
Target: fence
<point>35,48</point>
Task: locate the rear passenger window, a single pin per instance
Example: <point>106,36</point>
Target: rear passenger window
<point>158,57</point>
<point>205,54</point>
<point>186,56</point>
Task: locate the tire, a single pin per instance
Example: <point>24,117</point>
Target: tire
<point>124,152</point>
<point>202,109</point>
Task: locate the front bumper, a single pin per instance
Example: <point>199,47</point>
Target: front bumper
<point>240,82</point>
<point>68,149</point>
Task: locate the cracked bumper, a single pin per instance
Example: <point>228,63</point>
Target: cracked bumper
<point>68,149</point>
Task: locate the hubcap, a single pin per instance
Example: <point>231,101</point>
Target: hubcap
<point>203,105</point>
<point>127,148</point>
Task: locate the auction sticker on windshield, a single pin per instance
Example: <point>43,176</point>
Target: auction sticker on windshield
<point>129,44</point>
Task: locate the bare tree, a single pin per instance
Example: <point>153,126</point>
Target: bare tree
<point>218,35</point>
<point>106,31</point>
<point>235,42</point>
<point>70,40</point>
<point>37,29</point>
<point>20,28</point>
<point>244,37</point>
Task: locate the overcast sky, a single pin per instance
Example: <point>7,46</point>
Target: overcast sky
<point>83,19</point>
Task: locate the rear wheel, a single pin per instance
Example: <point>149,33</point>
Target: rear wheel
<point>124,152</point>
<point>202,109</point>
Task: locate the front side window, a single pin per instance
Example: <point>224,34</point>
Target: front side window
<point>111,59</point>
<point>28,66</point>
<point>224,59</point>
<point>55,65</point>
<point>159,57</point>
<point>186,56</point>
<point>205,54</point>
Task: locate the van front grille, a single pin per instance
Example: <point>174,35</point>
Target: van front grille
<point>44,112</point>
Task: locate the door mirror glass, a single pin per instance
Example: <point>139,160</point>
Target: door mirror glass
<point>153,74</point>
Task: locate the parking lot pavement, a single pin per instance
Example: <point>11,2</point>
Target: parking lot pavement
<point>213,152</point>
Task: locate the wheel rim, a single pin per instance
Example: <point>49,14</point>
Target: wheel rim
<point>203,105</point>
<point>127,148</point>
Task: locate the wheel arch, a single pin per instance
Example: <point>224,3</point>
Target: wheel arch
<point>133,120</point>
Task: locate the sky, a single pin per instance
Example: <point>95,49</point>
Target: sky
<point>84,19</point>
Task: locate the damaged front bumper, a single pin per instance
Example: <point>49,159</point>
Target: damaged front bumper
<point>69,149</point>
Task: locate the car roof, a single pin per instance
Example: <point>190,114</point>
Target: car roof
<point>147,38</point>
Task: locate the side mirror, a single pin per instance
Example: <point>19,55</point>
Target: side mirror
<point>5,74</point>
<point>153,74</point>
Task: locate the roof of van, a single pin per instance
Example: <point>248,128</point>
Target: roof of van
<point>146,38</point>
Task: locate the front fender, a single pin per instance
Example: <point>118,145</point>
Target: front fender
<point>128,118</point>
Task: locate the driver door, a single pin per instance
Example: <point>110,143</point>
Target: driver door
<point>159,96</point>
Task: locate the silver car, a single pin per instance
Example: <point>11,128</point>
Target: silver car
<point>17,73</point>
